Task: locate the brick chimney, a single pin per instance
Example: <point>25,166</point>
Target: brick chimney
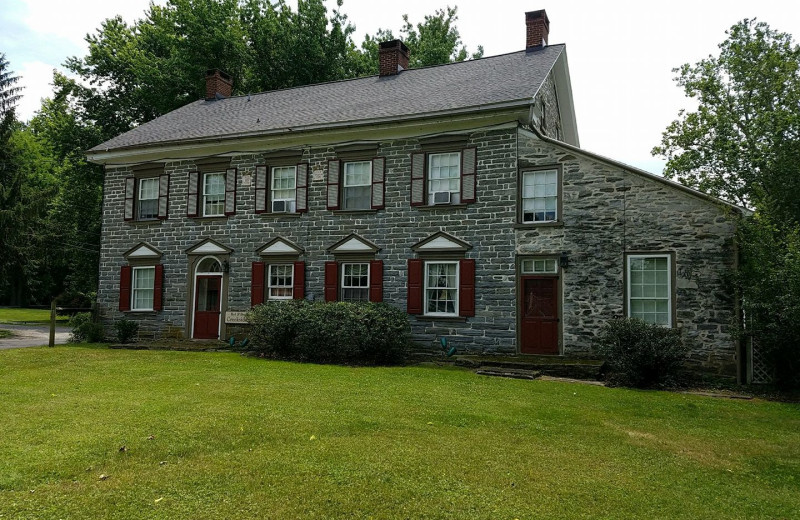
<point>217,82</point>
<point>393,57</point>
<point>537,28</point>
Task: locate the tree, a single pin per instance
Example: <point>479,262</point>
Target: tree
<point>742,143</point>
<point>747,121</point>
<point>432,42</point>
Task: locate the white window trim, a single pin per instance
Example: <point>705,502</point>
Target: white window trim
<point>272,190</point>
<point>425,289</point>
<point>342,286</point>
<point>523,199</point>
<point>270,286</point>
<point>345,185</point>
<point>430,180</point>
<point>205,195</point>
<point>139,198</point>
<point>669,323</point>
<point>134,289</point>
<point>533,272</point>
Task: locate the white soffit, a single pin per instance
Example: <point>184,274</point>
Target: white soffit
<point>143,251</point>
<point>441,243</point>
<point>352,246</point>
<point>209,248</point>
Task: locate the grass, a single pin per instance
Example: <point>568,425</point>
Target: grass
<point>16,315</point>
<point>239,437</point>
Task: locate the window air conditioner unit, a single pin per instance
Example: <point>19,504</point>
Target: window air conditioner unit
<point>279,206</point>
<point>441,197</point>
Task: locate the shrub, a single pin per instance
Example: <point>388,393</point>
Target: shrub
<point>337,332</point>
<point>84,329</point>
<point>126,330</point>
<point>641,355</point>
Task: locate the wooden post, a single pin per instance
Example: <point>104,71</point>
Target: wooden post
<point>52,341</point>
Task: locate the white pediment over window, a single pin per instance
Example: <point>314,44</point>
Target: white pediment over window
<point>440,242</point>
<point>142,250</point>
<point>280,246</point>
<point>353,244</point>
<point>208,247</point>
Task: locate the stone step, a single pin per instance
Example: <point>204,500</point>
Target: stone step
<point>514,373</point>
<point>555,366</point>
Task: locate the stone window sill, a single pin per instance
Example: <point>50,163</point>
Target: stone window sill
<point>534,225</point>
<point>445,207</point>
<point>354,211</point>
<point>148,222</point>
<point>279,215</point>
<point>442,319</point>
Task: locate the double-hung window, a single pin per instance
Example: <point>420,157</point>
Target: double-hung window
<point>357,185</point>
<point>355,282</point>
<point>444,178</point>
<point>441,288</point>
<point>650,288</point>
<point>148,198</point>
<point>142,288</point>
<point>539,196</point>
<point>284,188</point>
<point>280,281</point>
<point>213,194</point>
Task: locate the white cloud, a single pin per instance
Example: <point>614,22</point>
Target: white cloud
<point>37,78</point>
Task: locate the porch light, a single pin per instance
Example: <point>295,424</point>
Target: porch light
<point>563,260</point>
<point>226,266</point>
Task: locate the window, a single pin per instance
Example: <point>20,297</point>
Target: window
<point>283,189</point>
<point>146,195</point>
<point>441,288</point>
<point>650,288</point>
<point>142,288</point>
<point>357,185</point>
<point>213,194</point>
<point>444,178</point>
<point>539,196</point>
<point>148,198</point>
<point>540,266</point>
<point>280,281</point>
<point>355,282</point>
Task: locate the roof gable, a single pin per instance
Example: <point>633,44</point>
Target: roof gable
<point>441,242</point>
<point>280,246</point>
<point>208,247</point>
<point>353,243</point>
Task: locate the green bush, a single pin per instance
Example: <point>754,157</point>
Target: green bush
<point>338,332</point>
<point>84,329</point>
<point>641,355</point>
<point>126,330</point>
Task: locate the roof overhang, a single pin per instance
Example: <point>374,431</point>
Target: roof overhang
<point>509,114</point>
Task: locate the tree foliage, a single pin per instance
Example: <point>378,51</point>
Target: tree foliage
<point>742,143</point>
<point>746,121</point>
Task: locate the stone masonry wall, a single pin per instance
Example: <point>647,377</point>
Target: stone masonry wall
<point>607,211</point>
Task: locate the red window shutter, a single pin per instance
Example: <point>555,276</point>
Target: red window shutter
<point>376,281</point>
<point>130,194</point>
<point>331,281</point>
<point>163,196</point>
<point>466,289</point>
<point>262,184</point>
<point>257,284</point>
<point>191,194</point>
<point>298,291</point>
<point>230,192</point>
<point>414,303</point>
<point>417,179</point>
<point>301,188</point>
<point>469,168</point>
<point>125,288</point>
<point>378,182</point>
<point>333,184</point>
<point>158,288</point>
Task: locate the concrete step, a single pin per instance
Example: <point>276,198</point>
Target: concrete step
<point>514,373</point>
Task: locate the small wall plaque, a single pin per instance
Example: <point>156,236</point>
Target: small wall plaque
<point>317,176</point>
<point>236,317</point>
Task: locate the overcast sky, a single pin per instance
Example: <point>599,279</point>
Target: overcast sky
<point>621,53</point>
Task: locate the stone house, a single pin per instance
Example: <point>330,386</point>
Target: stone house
<point>457,192</point>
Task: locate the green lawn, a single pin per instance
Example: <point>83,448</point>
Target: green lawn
<point>238,437</point>
<point>16,315</point>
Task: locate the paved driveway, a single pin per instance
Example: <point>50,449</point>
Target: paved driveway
<point>32,335</point>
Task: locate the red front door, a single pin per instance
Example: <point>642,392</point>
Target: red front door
<point>206,307</point>
<point>539,323</point>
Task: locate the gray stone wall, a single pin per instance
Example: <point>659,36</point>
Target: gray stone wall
<point>608,211</point>
<point>546,110</point>
<point>600,221</point>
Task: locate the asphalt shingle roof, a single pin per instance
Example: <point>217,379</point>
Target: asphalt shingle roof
<point>470,84</point>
